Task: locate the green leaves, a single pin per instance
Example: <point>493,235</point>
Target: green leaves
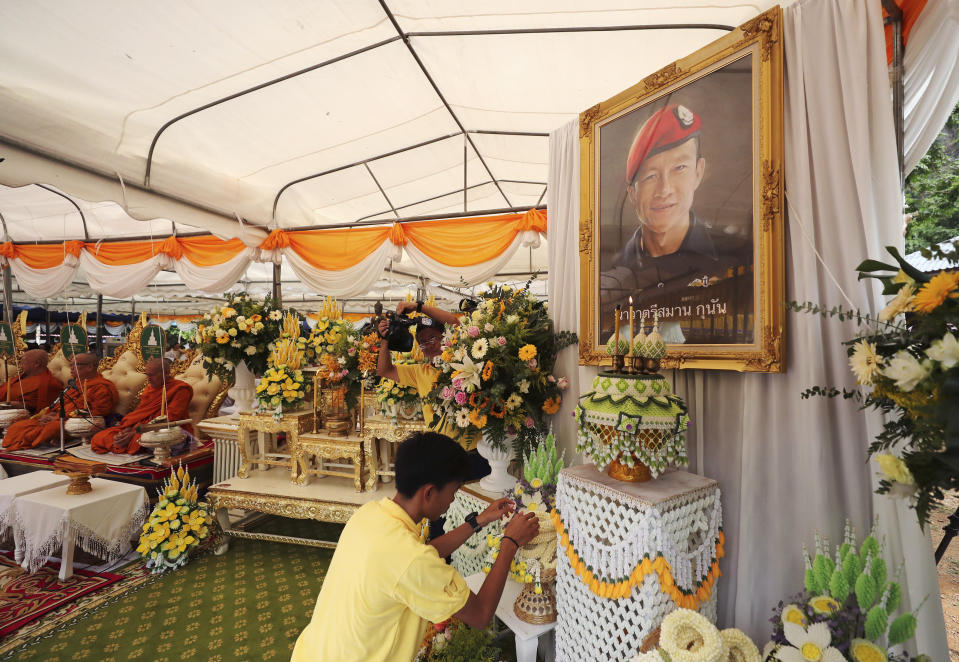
<point>876,621</point>
<point>902,629</point>
<point>866,591</point>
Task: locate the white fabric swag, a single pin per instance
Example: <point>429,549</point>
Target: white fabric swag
<point>789,467</point>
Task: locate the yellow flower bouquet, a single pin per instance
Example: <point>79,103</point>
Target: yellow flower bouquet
<point>282,385</point>
<point>178,523</point>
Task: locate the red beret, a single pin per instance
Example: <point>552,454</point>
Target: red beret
<point>667,128</point>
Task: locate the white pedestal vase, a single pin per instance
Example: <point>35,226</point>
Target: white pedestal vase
<point>499,479</point>
<point>243,391</point>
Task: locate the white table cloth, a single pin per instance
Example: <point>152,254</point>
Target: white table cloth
<point>11,488</point>
<point>103,522</point>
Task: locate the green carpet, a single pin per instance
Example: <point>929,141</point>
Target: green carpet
<point>249,604</point>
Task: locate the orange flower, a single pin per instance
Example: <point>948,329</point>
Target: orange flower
<point>931,295</point>
<point>474,399</point>
<point>551,406</point>
<point>498,410</point>
<point>487,371</point>
<point>477,419</point>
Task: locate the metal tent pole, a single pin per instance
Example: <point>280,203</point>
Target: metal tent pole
<point>100,326</point>
<point>7,295</point>
<point>277,284</point>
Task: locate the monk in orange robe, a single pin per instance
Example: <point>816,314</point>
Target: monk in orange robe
<point>35,387</point>
<point>101,398</point>
<point>123,438</point>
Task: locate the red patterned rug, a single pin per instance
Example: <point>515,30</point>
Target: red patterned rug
<point>24,597</point>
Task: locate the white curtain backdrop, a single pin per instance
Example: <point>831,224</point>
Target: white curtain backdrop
<point>931,76</point>
<point>788,467</point>
<point>43,283</point>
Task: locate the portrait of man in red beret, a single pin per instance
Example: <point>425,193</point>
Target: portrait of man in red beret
<point>684,254</point>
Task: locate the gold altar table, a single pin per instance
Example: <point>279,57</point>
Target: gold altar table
<point>267,453</point>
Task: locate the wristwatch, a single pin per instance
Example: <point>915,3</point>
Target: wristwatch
<point>419,306</point>
<point>471,520</point>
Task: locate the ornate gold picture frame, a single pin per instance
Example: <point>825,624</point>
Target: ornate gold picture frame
<point>682,207</point>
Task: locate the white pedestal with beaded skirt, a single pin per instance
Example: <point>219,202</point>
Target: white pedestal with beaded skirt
<point>630,553</point>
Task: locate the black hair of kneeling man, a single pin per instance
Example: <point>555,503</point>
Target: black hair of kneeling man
<point>428,458</point>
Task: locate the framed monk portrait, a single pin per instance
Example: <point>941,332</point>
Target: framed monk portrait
<point>681,207</point>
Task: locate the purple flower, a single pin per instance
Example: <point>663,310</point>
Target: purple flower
<point>511,429</point>
<point>460,398</point>
<point>473,331</point>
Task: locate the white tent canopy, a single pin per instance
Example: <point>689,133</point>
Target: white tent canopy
<point>93,86</point>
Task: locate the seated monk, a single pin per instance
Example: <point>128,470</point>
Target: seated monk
<point>123,438</point>
<point>101,398</point>
<point>35,387</point>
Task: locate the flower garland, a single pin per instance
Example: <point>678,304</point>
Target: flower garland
<point>687,636</point>
<point>177,524</point>
<point>621,587</point>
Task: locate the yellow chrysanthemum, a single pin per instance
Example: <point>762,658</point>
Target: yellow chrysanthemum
<point>931,295</point>
<point>865,363</point>
<point>527,352</point>
<point>793,614</point>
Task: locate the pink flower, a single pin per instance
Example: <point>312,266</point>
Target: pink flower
<point>563,383</point>
<point>529,421</point>
<point>551,379</point>
<point>447,393</point>
<point>460,398</point>
<point>501,341</point>
<point>344,372</point>
<point>351,351</point>
<point>473,331</point>
<point>532,364</point>
<point>458,383</point>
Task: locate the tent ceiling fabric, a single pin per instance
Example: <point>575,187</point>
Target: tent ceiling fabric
<point>92,83</point>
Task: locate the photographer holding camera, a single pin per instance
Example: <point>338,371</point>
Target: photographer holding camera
<point>421,376</point>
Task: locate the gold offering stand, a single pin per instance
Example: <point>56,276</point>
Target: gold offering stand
<point>267,452</point>
<point>78,471</point>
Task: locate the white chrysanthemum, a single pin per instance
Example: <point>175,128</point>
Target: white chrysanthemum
<point>899,304</point>
<point>945,351</point>
<point>480,347</point>
<point>462,418</point>
<point>250,350</point>
<point>741,647</point>
<point>906,370</point>
<point>865,363</point>
<point>808,644</point>
<point>276,314</point>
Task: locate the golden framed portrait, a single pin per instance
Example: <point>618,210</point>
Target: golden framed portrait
<point>681,220</point>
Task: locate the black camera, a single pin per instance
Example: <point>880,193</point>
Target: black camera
<point>398,333</point>
<point>468,305</point>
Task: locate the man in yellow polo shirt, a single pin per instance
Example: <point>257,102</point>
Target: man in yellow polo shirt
<point>384,583</point>
<point>421,376</point>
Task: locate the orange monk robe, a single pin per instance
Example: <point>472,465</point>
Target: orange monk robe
<point>178,396</point>
<point>35,392</point>
<point>102,398</point>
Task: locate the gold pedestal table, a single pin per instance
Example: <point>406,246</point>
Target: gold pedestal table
<point>382,434</point>
<point>324,446</point>
<point>267,453</point>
